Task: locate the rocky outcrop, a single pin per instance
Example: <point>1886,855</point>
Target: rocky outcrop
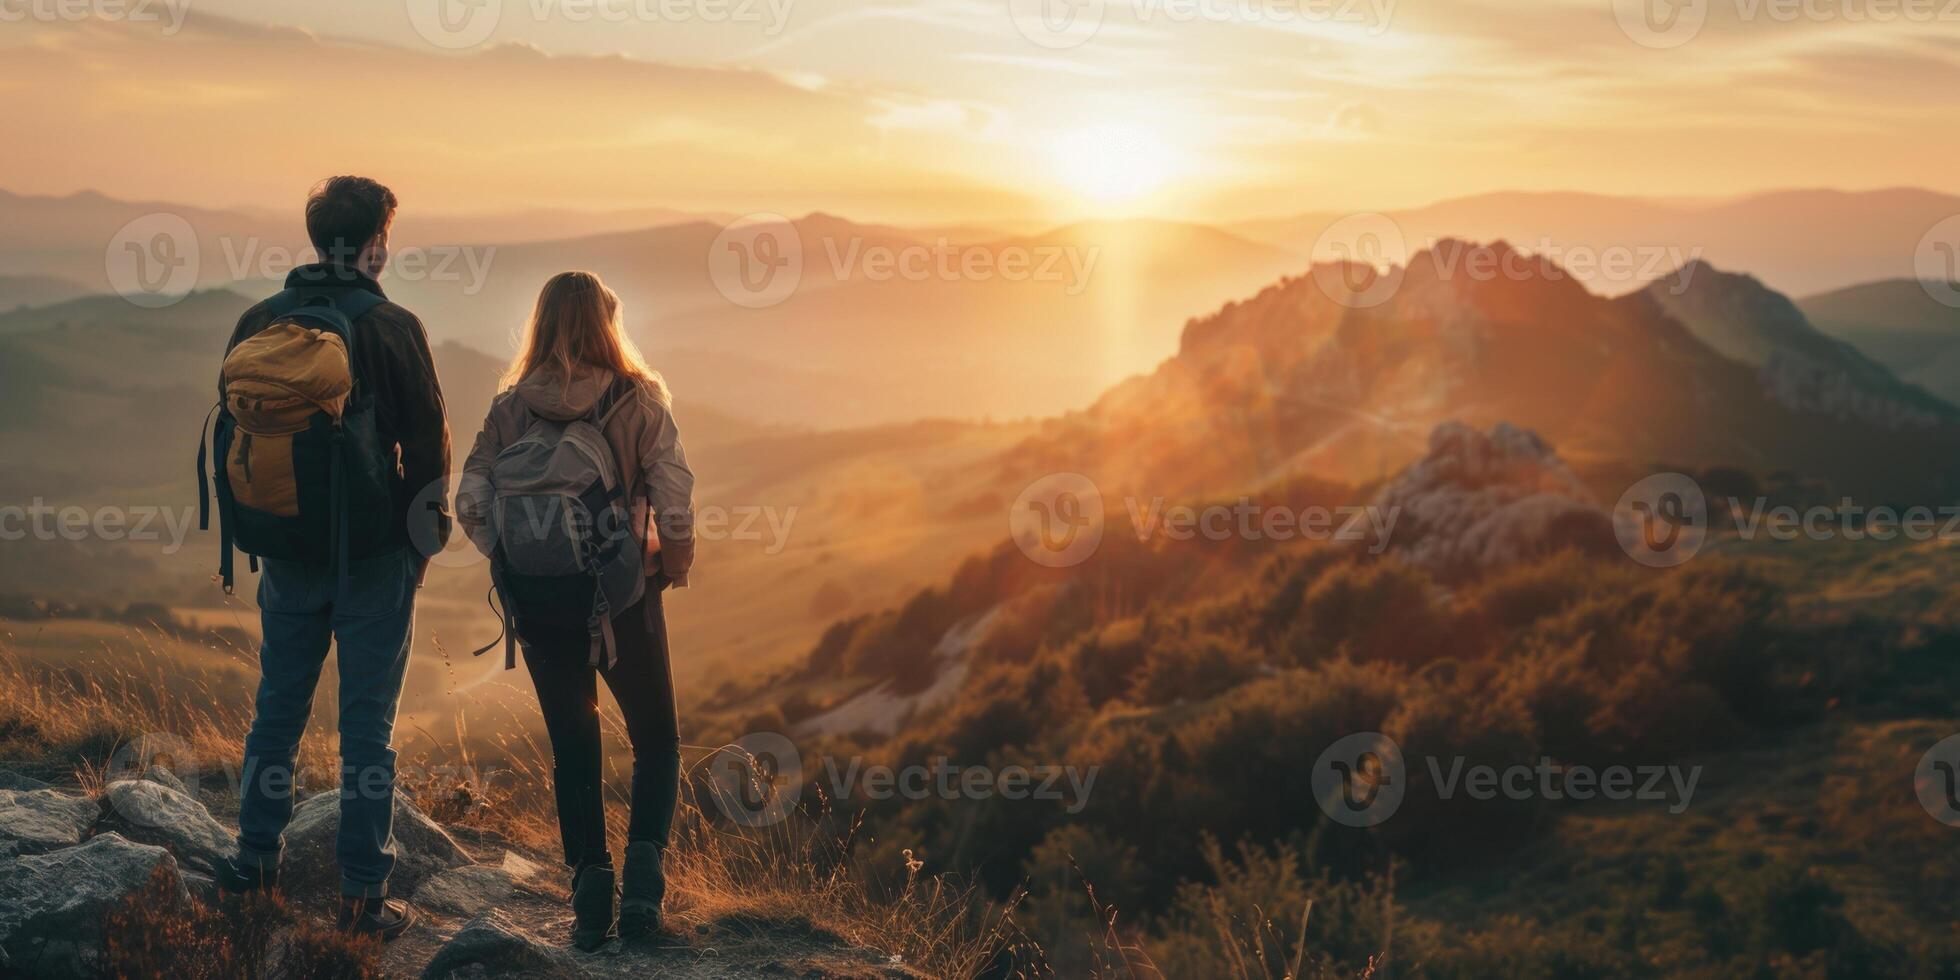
<point>467,891</point>
<point>51,905</point>
<point>37,820</point>
<point>1478,500</point>
<point>496,945</point>
<point>10,779</point>
<point>153,813</point>
<point>309,869</point>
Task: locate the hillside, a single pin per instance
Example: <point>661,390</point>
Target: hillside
<point>1200,677</point>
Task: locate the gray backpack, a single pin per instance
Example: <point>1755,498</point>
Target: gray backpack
<point>566,554</point>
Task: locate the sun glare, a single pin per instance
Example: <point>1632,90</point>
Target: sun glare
<point>1113,162</point>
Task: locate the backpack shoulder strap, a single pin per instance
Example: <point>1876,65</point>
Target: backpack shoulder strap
<point>277,305</point>
<point>615,395</point>
<point>283,302</point>
<point>357,303</point>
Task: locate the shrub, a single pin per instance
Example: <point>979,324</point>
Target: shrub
<point>1261,916</point>
<point>1193,668</point>
<point>1377,611</point>
<point>1442,725</point>
<point>157,931</point>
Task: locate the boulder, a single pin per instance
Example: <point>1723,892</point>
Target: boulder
<point>310,870</point>
<point>164,777</point>
<point>522,870</point>
<point>10,779</point>
<point>43,819</point>
<point>153,813</point>
<point>467,891</point>
<point>51,905</point>
<point>494,945</point>
<point>158,757</point>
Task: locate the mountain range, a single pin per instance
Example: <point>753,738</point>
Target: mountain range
<point>1304,379</point>
<point>857,343</point>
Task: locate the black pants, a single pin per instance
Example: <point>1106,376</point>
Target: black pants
<point>568,692</point>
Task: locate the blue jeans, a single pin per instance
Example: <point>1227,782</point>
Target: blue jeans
<point>372,625</point>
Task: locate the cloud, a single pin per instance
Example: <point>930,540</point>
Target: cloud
<point>225,108</point>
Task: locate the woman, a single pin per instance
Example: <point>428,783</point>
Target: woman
<point>573,350</point>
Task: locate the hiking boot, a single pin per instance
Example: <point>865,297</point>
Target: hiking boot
<point>384,917</point>
<point>645,884</point>
<point>592,907</point>
<point>236,877</point>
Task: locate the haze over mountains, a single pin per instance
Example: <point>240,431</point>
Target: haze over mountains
<point>1293,389</point>
<point>867,339</point>
<point>1802,367</point>
<point>1797,242</point>
<point>1901,325</point>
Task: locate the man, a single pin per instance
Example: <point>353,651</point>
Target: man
<point>364,604</point>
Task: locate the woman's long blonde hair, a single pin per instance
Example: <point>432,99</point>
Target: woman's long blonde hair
<point>579,320</point>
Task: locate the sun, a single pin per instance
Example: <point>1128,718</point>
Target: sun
<point>1113,162</point>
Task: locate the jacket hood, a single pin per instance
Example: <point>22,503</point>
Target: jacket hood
<point>551,395</point>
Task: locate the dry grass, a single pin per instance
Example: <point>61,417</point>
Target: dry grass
<point>79,714</point>
<point>793,871</point>
<point>1256,950</point>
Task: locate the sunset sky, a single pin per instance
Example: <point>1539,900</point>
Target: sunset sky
<point>948,110</point>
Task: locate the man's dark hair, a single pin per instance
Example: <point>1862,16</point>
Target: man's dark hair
<point>343,214</point>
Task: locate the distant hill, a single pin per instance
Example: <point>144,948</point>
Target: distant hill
<point>1801,366</point>
<point>67,237</point>
<point>1796,241</point>
<point>1900,325</point>
<point>196,311</point>
<point>17,292</point>
<point>1101,301</point>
